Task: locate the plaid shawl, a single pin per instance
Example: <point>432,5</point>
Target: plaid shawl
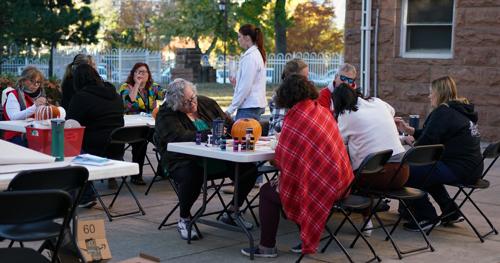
<point>315,169</point>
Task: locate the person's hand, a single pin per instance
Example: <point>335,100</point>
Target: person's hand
<point>403,126</point>
<point>232,80</point>
<point>41,101</point>
<point>132,91</point>
<point>408,140</point>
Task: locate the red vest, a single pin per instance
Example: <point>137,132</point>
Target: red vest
<point>7,135</point>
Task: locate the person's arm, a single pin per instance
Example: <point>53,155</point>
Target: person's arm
<point>248,72</point>
<point>129,105</point>
<point>14,111</point>
<point>435,129</point>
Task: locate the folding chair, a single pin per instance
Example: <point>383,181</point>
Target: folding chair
<point>491,152</point>
<point>71,179</point>
<point>22,208</point>
<point>123,136</point>
<point>158,173</point>
<point>372,164</point>
<point>427,155</point>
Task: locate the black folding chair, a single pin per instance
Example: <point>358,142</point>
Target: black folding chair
<point>491,152</point>
<point>372,164</point>
<point>25,208</point>
<point>123,136</point>
<point>427,155</point>
<point>158,173</point>
<point>71,179</point>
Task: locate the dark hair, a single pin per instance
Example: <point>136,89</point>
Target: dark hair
<point>86,75</point>
<point>130,78</point>
<point>294,89</point>
<point>257,37</point>
<point>344,98</point>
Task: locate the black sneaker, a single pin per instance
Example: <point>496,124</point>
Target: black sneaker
<point>228,220</point>
<point>260,253</point>
<point>424,224</point>
<point>452,219</point>
<point>297,249</point>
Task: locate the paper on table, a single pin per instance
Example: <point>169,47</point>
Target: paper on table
<point>89,159</point>
<point>11,153</point>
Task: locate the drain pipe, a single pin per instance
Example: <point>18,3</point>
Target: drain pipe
<point>375,54</point>
<point>366,17</point>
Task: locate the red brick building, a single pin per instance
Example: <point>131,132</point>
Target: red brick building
<point>421,40</point>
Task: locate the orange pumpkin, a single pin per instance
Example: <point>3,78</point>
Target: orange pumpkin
<point>154,113</point>
<point>47,112</point>
<point>240,127</point>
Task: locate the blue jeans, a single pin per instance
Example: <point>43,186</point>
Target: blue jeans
<point>250,113</point>
<point>434,185</point>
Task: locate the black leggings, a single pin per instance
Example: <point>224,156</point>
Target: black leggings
<point>189,179</point>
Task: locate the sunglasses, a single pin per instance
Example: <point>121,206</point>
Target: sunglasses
<point>347,79</point>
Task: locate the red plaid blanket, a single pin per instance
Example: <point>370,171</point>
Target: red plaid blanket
<point>315,169</point>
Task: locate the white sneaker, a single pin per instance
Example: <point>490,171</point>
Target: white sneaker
<point>368,232</point>
<point>182,228</point>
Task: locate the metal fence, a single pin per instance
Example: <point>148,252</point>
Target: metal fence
<point>115,65</point>
<point>322,66</point>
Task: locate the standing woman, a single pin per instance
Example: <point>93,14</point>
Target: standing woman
<point>249,99</point>
<point>139,94</point>
<point>23,100</point>
<point>67,83</point>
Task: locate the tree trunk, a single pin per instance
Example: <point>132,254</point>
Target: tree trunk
<point>280,26</point>
<point>51,59</point>
<point>211,47</point>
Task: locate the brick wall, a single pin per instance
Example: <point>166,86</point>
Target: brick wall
<point>475,66</point>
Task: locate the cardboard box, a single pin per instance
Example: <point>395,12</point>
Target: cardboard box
<point>142,258</point>
<point>91,239</point>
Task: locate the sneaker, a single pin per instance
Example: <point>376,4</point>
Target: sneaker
<point>87,204</point>
<point>452,219</point>
<point>424,224</point>
<point>227,219</point>
<point>368,232</point>
<point>260,252</point>
<point>182,228</point>
<point>297,249</point>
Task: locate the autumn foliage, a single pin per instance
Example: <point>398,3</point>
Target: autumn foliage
<point>313,29</point>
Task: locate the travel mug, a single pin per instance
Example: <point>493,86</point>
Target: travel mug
<point>57,145</point>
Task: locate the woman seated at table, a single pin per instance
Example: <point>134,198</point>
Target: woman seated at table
<point>315,169</point>
<point>453,122</point>
<point>367,126</point>
<point>23,100</point>
<point>98,107</point>
<point>182,115</point>
<point>140,94</point>
<point>67,85</point>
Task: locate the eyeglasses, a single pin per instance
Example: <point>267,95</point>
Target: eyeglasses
<point>141,72</point>
<point>190,101</point>
<point>347,79</point>
<point>36,82</point>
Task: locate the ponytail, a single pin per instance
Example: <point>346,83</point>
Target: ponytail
<point>257,37</point>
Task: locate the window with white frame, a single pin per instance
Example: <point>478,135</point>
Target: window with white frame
<point>427,28</point>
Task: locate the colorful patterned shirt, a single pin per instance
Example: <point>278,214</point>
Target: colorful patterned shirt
<point>144,102</point>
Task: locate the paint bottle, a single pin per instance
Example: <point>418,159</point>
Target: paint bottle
<point>235,144</point>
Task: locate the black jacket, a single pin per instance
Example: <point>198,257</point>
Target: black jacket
<point>175,126</point>
<point>455,125</point>
<point>100,110</point>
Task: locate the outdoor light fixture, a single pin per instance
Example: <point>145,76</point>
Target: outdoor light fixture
<point>222,5</point>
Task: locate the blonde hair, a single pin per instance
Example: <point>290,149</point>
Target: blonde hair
<point>293,66</point>
<point>446,90</point>
<point>29,73</point>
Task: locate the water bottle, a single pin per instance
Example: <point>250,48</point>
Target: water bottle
<point>414,121</point>
<point>57,146</point>
<point>218,130</point>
